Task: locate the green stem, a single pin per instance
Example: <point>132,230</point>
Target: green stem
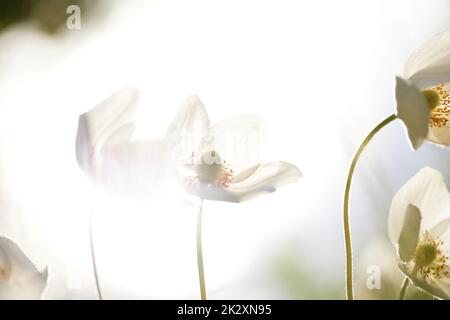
<point>94,264</point>
<point>348,243</point>
<point>201,272</point>
<point>405,284</point>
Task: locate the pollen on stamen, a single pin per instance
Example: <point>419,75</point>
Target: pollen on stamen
<point>430,259</point>
<point>439,117</point>
<point>225,176</point>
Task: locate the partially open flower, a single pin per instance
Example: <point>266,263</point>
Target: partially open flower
<point>19,278</point>
<point>220,162</point>
<point>422,96</point>
<point>419,226</point>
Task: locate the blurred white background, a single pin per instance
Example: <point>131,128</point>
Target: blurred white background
<point>321,75</point>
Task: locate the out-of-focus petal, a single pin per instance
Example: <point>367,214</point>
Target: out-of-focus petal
<point>426,191</point>
<point>109,122</point>
<point>430,64</point>
<point>237,140</point>
<point>187,129</point>
<point>413,110</point>
<point>22,280</point>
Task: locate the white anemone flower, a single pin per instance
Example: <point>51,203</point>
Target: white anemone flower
<point>19,278</point>
<point>423,102</point>
<point>419,227</point>
<point>220,162</point>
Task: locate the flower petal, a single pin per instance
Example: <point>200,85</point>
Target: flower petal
<point>434,287</point>
<point>409,235</point>
<point>444,286</point>
<point>441,228</point>
<point>236,140</point>
<point>430,65</point>
<point>109,122</point>
<point>187,129</point>
<point>412,109</point>
<point>25,281</point>
<point>426,191</point>
<point>266,178</point>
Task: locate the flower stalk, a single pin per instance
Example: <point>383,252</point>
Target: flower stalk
<point>403,288</point>
<point>347,237</point>
<point>201,272</point>
<point>94,263</point>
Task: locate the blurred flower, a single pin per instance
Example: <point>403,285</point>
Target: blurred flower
<point>423,102</point>
<point>419,222</point>
<point>19,278</point>
<point>220,162</point>
<point>107,152</point>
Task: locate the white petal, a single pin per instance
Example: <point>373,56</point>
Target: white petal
<point>428,192</point>
<point>237,140</point>
<point>188,127</point>
<point>440,135</point>
<point>441,229</point>
<point>25,281</point>
<point>409,235</point>
<point>444,286</point>
<point>430,65</point>
<point>413,110</point>
<point>436,288</point>
<point>109,122</point>
<point>266,178</point>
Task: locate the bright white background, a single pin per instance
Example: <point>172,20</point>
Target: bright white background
<point>321,75</point>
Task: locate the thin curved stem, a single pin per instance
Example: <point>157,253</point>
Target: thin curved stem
<point>201,271</point>
<point>94,263</point>
<point>348,243</point>
<point>405,284</point>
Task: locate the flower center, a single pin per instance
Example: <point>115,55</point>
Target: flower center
<point>425,254</point>
<point>433,98</point>
<point>429,258</point>
<point>211,170</point>
<point>438,100</point>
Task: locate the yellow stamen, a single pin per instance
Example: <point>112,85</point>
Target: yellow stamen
<point>433,98</point>
<point>439,106</point>
<point>430,261</point>
<point>211,171</point>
